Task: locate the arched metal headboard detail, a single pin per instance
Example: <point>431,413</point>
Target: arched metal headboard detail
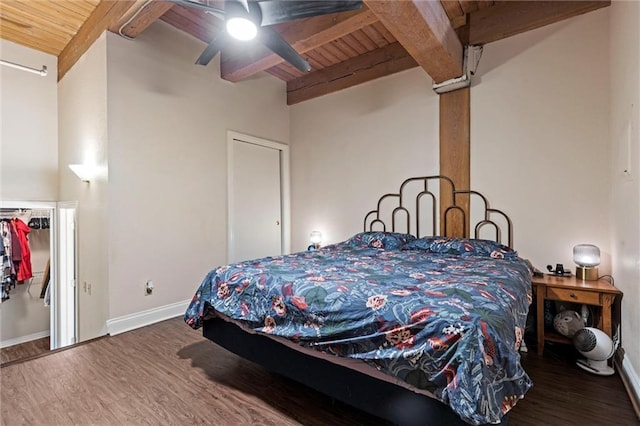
<point>405,204</point>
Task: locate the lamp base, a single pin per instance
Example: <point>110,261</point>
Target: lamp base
<point>586,274</point>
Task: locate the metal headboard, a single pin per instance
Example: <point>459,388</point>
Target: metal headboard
<point>464,203</point>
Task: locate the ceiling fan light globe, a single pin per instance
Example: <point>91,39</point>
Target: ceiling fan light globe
<point>241,28</point>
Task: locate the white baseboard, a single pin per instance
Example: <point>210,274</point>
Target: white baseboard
<point>144,318</point>
<point>24,339</point>
<point>632,377</point>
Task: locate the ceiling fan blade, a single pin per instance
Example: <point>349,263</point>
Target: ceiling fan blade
<point>274,41</point>
<point>212,49</point>
<point>213,10</point>
<point>278,11</point>
<point>244,3</point>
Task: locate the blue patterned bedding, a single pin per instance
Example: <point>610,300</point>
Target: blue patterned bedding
<point>443,315</point>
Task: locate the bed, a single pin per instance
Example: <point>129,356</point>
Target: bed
<point>413,328</point>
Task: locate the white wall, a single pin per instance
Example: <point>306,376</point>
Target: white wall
<point>540,137</point>
<point>624,60</point>
<point>350,147</point>
<point>28,170</point>
<point>28,126</point>
<point>168,120</point>
<point>83,139</point>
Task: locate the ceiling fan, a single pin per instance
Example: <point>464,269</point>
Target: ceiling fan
<point>248,19</point>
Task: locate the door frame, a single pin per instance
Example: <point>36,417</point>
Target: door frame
<point>73,239</point>
<point>285,197</point>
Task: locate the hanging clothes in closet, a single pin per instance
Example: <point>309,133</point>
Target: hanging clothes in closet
<point>16,255</point>
<point>9,276</point>
<point>24,269</point>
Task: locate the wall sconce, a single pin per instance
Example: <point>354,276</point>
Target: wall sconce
<point>587,257</point>
<point>316,238</point>
<point>84,172</point>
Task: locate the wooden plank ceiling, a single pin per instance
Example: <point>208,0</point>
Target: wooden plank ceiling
<point>345,49</point>
<point>47,26</point>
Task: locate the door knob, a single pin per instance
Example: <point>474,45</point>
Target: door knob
<point>277,223</point>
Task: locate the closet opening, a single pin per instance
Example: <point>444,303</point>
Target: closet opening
<point>38,312</point>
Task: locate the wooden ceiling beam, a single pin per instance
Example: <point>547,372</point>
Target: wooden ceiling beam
<point>201,25</point>
<point>303,35</point>
<point>105,14</point>
<point>140,17</point>
<point>386,60</point>
<point>509,18</point>
<point>425,31</point>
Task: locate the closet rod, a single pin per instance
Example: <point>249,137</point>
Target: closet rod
<point>10,213</point>
<point>41,72</point>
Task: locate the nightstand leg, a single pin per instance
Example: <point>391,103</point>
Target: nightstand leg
<point>540,318</point>
<point>605,320</point>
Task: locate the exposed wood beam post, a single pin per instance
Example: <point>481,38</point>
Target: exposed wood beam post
<point>455,158</point>
<point>303,35</point>
<point>509,18</point>
<point>105,14</point>
<point>140,16</point>
<point>380,62</point>
<point>423,28</point>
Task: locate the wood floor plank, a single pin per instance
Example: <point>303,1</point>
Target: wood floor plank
<point>168,374</point>
<point>24,350</point>
<point>563,394</point>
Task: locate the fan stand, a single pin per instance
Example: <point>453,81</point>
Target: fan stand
<point>596,367</point>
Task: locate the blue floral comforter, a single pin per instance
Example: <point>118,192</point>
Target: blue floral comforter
<point>443,315</point>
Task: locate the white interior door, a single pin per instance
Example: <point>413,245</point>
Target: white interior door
<point>255,200</point>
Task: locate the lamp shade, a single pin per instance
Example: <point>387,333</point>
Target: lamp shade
<point>586,255</point>
<point>84,172</point>
<point>315,237</point>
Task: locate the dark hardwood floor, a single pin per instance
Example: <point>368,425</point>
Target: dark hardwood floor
<point>564,394</point>
<point>168,374</point>
<point>24,350</point>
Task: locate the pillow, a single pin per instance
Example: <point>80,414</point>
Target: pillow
<point>381,240</point>
<point>462,247</point>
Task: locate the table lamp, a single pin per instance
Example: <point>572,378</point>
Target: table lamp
<point>316,238</point>
<point>587,257</point>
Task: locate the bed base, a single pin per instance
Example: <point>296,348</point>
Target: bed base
<point>382,399</point>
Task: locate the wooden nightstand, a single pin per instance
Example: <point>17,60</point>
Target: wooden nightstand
<point>569,289</point>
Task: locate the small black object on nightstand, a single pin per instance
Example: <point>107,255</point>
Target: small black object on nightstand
<point>559,271</point>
